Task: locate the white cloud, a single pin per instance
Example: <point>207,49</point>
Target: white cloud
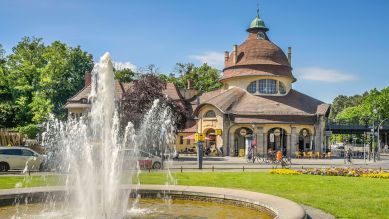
<point>211,58</point>
<point>324,75</point>
<point>122,65</point>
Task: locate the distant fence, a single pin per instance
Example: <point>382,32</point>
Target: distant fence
<point>11,138</point>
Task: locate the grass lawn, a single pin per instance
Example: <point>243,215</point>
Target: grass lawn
<point>344,197</point>
<point>10,182</point>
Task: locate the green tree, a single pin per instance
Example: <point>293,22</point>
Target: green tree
<point>7,111</point>
<point>125,75</point>
<point>341,102</point>
<point>23,75</point>
<point>205,78</point>
<point>41,78</point>
<point>62,76</point>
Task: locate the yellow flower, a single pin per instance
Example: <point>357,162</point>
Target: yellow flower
<point>284,172</point>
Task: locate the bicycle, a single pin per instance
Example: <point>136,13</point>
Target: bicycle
<point>284,162</point>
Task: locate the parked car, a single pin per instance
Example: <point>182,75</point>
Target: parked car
<point>16,158</point>
<point>145,159</point>
<point>172,155</point>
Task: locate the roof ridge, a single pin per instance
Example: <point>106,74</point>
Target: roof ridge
<point>82,89</point>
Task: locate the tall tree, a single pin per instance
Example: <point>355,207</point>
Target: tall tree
<point>23,75</point>
<point>41,78</point>
<point>7,110</point>
<point>63,74</point>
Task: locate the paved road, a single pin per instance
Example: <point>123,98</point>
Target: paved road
<point>240,164</point>
<point>189,163</point>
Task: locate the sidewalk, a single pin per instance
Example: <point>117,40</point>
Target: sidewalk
<point>240,163</point>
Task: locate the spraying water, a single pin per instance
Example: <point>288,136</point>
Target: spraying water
<point>98,158</point>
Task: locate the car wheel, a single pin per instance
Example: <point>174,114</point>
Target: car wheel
<point>4,167</point>
<point>157,165</point>
<point>41,167</point>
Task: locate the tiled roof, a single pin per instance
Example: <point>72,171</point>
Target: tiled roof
<point>254,51</point>
<point>120,88</point>
<point>259,57</point>
<point>237,101</point>
<point>268,119</point>
<point>172,92</point>
<point>254,70</point>
<point>225,100</point>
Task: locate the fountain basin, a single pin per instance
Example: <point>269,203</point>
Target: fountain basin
<point>275,206</point>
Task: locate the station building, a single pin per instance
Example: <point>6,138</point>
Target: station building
<point>257,106</point>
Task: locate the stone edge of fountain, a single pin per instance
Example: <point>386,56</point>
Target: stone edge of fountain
<point>280,207</point>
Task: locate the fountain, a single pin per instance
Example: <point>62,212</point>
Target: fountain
<point>97,156</point>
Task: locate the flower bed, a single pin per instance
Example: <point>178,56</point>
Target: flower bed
<point>285,172</point>
<point>337,171</point>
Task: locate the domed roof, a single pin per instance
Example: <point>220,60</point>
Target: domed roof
<point>257,56</point>
<point>257,23</point>
<point>259,52</point>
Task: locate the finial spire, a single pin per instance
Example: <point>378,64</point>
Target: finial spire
<point>258,8</point>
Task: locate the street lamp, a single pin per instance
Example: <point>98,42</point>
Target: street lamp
<point>378,137</point>
<point>374,149</point>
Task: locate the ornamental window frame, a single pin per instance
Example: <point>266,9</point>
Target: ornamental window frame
<point>267,87</point>
<point>210,114</point>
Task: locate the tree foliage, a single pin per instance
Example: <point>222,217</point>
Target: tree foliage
<point>125,75</point>
<point>138,100</point>
<point>341,102</point>
<point>363,112</point>
<point>37,80</point>
<point>204,78</point>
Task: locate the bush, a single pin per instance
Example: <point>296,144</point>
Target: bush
<point>30,130</point>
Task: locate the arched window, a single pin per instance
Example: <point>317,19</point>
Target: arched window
<point>210,114</point>
<point>252,88</point>
<point>282,88</point>
<point>268,86</point>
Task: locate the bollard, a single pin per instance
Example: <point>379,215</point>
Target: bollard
<point>302,167</point>
<point>29,172</point>
<point>243,168</point>
<point>149,170</point>
<point>380,169</point>
<point>213,168</point>
<point>181,169</point>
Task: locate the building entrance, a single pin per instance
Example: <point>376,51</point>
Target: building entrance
<point>243,139</point>
<point>277,139</point>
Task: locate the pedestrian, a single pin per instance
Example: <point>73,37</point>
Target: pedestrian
<point>279,155</point>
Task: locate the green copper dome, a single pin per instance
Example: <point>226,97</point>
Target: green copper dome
<point>257,23</point>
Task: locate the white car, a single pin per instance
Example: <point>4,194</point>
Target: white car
<point>145,159</point>
<point>18,158</point>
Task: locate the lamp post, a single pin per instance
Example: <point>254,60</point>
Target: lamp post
<point>199,140</point>
<point>374,149</point>
<point>378,137</point>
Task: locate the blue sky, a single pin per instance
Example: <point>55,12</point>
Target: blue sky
<point>339,46</point>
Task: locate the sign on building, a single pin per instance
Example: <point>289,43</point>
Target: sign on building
<point>243,132</point>
<point>200,137</point>
<point>271,136</point>
<point>218,132</point>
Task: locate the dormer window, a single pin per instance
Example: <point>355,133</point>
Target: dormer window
<point>267,86</point>
<point>210,114</point>
<point>83,100</point>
